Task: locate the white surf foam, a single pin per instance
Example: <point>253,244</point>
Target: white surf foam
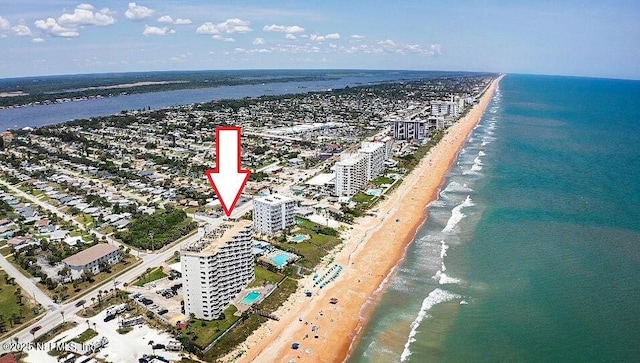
<point>444,279</point>
<point>476,167</point>
<point>435,297</point>
<point>457,215</point>
<point>481,153</point>
<point>477,161</point>
<point>455,187</point>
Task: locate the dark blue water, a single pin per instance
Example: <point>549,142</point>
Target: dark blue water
<point>534,245</point>
<point>55,113</point>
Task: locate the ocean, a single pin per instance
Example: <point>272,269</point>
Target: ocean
<point>532,251</point>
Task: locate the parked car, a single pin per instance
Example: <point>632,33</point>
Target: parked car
<point>109,318</point>
<point>158,346</point>
<point>35,329</point>
<point>163,311</point>
<point>81,303</point>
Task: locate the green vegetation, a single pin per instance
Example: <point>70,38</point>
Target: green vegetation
<point>323,239</point>
<point>251,322</point>
<point>264,276</point>
<point>124,330</point>
<point>105,298</point>
<point>150,275</point>
<point>85,336</point>
<point>15,309</point>
<point>381,180</point>
<point>155,231</point>
<point>67,325</point>
<point>203,332</point>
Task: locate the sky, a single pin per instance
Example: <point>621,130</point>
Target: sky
<point>569,37</point>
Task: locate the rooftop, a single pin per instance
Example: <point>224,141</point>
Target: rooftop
<point>273,199</point>
<point>212,241</point>
<point>90,254</point>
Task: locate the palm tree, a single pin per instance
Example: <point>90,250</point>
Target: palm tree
<point>88,326</point>
<point>151,344</point>
<point>62,313</point>
<point>18,295</point>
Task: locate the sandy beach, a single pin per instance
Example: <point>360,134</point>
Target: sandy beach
<point>372,248</point>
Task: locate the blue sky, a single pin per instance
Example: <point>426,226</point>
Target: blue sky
<point>585,38</point>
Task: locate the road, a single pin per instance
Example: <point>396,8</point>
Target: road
<point>67,311</point>
<point>56,312</point>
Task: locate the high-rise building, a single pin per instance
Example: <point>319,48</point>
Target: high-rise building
<point>350,174</point>
<point>409,129</point>
<point>374,153</point>
<point>272,214</point>
<point>388,146</point>
<point>216,268</point>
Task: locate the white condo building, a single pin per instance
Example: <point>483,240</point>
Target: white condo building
<point>410,129</point>
<point>216,268</point>
<point>350,174</point>
<point>374,153</point>
<point>272,214</point>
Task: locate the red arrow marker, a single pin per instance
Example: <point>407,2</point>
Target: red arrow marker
<point>228,179</point>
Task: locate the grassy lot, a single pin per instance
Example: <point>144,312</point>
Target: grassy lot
<point>381,180</point>
<point>85,336</point>
<point>157,230</point>
<point>203,332</point>
<point>5,250</point>
<point>15,307</point>
<point>67,325</point>
<point>362,198</point>
<point>152,275</point>
<point>323,239</point>
<point>240,333</point>
<point>264,276</point>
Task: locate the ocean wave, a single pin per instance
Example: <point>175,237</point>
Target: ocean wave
<point>481,153</point>
<point>457,215</point>
<point>455,187</point>
<point>477,161</point>
<point>476,167</point>
<point>437,204</point>
<point>435,297</point>
<point>444,279</point>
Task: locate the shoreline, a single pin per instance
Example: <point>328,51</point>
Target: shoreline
<point>340,325</point>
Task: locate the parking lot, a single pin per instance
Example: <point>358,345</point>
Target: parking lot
<point>163,297</point>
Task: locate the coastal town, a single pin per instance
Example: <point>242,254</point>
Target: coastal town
<point>111,235</point>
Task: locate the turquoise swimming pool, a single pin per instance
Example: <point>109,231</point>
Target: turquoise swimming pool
<point>374,192</point>
<point>300,238</point>
<point>251,298</point>
<point>281,259</point>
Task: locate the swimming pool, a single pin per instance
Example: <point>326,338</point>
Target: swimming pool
<point>281,259</point>
<point>300,238</point>
<point>251,298</point>
<point>374,192</point>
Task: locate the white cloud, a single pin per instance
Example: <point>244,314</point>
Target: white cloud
<point>154,30</point>
<point>137,12</point>
<point>316,38</point>
<point>83,15</point>
<point>356,36</point>
<point>228,26</point>
<point>436,49</point>
<point>181,21</point>
<point>5,27</point>
<point>283,28</point>
<point>21,30</point>
<point>37,40</point>
<point>52,27</point>
<point>258,41</point>
<point>388,43</point>
<point>239,50</point>
<point>165,19</point>
<point>222,38</point>
<point>290,37</point>
<point>332,36</point>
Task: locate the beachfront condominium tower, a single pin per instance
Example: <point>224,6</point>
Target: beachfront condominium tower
<point>351,174</point>
<point>409,129</point>
<point>272,214</point>
<point>374,153</point>
<point>216,268</point>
